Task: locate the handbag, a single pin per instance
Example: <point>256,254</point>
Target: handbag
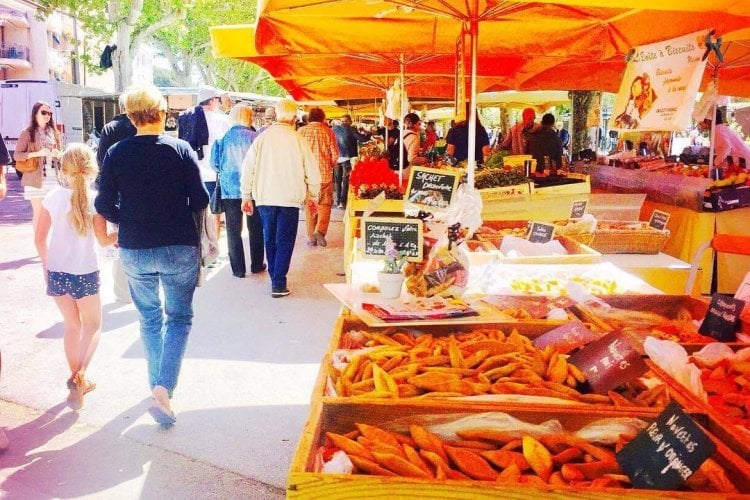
<point>214,202</point>
<point>26,166</point>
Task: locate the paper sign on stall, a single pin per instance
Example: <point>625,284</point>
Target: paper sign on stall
<point>722,318</point>
<point>659,220</point>
<point>665,454</point>
<point>541,233</point>
<point>374,204</point>
<point>406,234</point>
<point>659,86</point>
<point>609,362</point>
<point>567,337</point>
<point>579,209</point>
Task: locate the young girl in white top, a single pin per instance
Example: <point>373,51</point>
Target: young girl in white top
<point>70,262</point>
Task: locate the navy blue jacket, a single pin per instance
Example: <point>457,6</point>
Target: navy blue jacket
<point>193,128</point>
<point>151,187</point>
<point>118,129</point>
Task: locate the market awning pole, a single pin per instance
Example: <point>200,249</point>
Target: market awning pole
<point>474,32</point>
<point>402,105</point>
<point>713,122</point>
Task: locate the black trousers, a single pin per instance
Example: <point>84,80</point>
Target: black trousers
<point>341,181</point>
<point>233,215</point>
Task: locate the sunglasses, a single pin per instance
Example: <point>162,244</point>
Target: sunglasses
<point>45,113</point>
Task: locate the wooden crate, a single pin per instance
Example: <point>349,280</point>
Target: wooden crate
<point>516,192</point>
<point>304,482</point>
<point>530,329</point>
<point>564,189</point>
<point>666,305</point>
<point>735,437</point>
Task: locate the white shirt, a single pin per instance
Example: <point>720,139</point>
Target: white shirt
<point>69,252</point>
<point>280,168</point>
<point>728,143</point>
<point>218,124</point>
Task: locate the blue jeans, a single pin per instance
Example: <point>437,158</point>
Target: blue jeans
<point>176,269</point>
<point>279,233</point>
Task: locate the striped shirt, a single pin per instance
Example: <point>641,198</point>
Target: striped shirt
<point>322,140</point>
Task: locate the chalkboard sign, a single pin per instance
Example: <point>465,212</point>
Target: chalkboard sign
<point>665,454</point>
<point>541,233</point>
<point>659,220</point>
<point>609,362</point>
<point>567,337</point>
<point>723,318</point>
<point>432,187</point>
<point>406,233</point>
<point>579,209</point>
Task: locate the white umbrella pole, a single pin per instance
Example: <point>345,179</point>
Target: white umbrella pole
<point>401,124</point>
<point>473,111</point>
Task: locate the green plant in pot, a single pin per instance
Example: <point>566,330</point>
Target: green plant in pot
<point>391,278</point>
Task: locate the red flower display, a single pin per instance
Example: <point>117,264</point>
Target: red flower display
<point>371,177</point>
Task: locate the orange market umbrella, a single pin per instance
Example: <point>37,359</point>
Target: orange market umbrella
<point>588,30</point>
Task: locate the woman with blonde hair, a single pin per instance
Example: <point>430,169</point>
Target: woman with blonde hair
<point>70,263</point>
<point>40,142</point>
<point>150,185</point>
<point>227,154</point>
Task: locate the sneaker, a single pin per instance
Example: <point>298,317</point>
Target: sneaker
<point>312,243</point>
<point>279,292</point>
<point>340,205</point>
<point>320,239</point>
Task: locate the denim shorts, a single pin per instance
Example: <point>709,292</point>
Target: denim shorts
<point>76,285</point>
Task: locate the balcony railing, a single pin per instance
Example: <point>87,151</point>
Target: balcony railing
<point>14,51</point>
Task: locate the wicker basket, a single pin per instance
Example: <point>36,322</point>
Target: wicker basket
<point>645,239</point>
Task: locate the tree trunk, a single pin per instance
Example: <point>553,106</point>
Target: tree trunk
<point>581,103</point>
<point>122,63</point>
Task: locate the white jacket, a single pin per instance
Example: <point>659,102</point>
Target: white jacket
<point>280,169</point>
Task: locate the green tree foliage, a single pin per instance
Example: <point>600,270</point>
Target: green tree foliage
<point>187,46</point>
<point>177,28</point>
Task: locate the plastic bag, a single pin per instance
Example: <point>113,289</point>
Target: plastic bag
<point>673,359</point>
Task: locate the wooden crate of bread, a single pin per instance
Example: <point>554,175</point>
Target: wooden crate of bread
<point>667,317</point>
<point>403,365</point>
<point>728,404</point>
<point>448,467</point>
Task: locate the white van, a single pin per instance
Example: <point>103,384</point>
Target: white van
<point>17,97</point>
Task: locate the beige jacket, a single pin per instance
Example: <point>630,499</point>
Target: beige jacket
<point>25,145</point>
<point>280,169</point>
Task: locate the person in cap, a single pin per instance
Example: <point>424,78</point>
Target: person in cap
<point>518,135</point>
<point>200,126</point>
<point>280,174</point>
<point>728,145</point>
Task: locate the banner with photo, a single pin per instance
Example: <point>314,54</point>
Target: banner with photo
<point>659,86</point>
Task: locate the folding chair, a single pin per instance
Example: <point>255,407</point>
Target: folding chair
<point>724,243</point>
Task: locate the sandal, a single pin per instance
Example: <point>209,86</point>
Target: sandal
<point>78,387</point>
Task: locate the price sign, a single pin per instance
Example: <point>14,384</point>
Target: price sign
<point>431,187</point>
<point>374,204</point>
<point>667,452</point>
<point>541,233</point>
<point>566,337</point>
<point>609,362</point>
<point>406,234</point>
<point>722,319</point>
<point>579,209</point>
<point>659,220</point>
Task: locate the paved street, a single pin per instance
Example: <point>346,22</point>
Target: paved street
<point>241,402</point>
